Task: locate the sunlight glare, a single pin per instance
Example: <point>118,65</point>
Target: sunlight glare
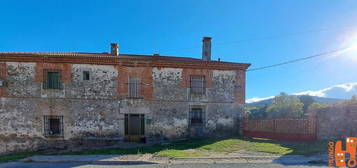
<point>351,52</point>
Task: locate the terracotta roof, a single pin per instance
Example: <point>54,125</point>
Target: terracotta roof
<point>98,55</point>
<point>105,55</point>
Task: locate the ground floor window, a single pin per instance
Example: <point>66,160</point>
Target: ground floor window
<point>53,125</point>
<point>197,116</point>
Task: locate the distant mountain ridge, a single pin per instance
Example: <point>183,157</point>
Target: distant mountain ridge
<point>316,98</point>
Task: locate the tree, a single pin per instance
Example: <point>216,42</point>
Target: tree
<point>307,101</point>
<point>353,100</point>
<point>285,106</point>
<point>315,106</point>
<point>257,112</point>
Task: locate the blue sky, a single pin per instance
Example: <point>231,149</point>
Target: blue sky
<point>239,29</point>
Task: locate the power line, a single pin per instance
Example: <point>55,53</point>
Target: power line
<point>301,59</point>
<point>268,37</point>
<point>283,35</point>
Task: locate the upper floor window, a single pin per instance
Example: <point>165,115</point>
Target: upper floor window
<point>2,82</point>
<point>134,87</point>
<point>86,75</point>
<point>53,80</point>
<point>197,84</point>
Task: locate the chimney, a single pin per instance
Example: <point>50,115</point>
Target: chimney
<point>206,49</point>
<point>114,49</point>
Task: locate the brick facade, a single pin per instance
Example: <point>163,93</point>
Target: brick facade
<point>99,107</point>
<point>63,68</point>
<point>2,77</point>
<point>143,73</point>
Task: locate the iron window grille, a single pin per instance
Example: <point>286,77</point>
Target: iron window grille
<point>53,125</point>
<point>134,87</point>
<point>197,116</point>
<point>197,84</point>
<point>53,81</point>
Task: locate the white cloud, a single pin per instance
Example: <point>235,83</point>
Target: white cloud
<point>342,91</point>
<point>256,99</point>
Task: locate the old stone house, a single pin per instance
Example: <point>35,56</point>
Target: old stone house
<point>49,97</point>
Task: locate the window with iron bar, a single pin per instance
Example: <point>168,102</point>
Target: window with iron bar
<point>134,87</point>
<point>53,125</point>
<point>197,84</point>
<point>53,80</point>
<point>197,116</point>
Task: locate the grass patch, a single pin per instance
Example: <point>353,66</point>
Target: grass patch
<point>14,157</point>
<point>204,147</point>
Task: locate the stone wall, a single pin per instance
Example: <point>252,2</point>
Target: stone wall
<point>96,108</point>
<point>337,122</point>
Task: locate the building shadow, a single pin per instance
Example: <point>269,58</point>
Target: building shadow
<point>298,153</point>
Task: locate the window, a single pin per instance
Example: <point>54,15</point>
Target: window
<point>196,116</point>
<point>53,80</point>
<point>134,87</point>
<point>2,83</point>
<point>86,75</point>
<point>197,84</point>
<point>53,125</point>
<point>134,124</point>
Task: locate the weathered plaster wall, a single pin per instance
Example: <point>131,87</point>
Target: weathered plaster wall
<point>103,82</point>
<point>96,108</point>
<point>19,125</point>
<point>168,119</point>
<point>223,86</point>
<point>167,84</point>
<point>95,119</point>
<point>19,117</point>
<point>21,80</point>
<point>223,119</point>
<point>336,122</point>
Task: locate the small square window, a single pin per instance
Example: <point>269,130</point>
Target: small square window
<point>2,83</point>
<point>197,116</point>
<point>86,75</point>
<point>53,125</point>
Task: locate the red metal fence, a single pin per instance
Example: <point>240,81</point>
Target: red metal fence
<point>281,129</point>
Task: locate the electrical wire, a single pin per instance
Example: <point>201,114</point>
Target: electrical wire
<point>301,59</point>
<point>268,37</point>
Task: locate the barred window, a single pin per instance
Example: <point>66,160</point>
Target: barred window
<point>198,84</point>
<point>134,87</point>
<point>53,125</point>
<point>197,116</point>
<point>53,80</point>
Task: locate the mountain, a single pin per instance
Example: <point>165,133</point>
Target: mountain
<point>316,98</point>
<point>329,95</point>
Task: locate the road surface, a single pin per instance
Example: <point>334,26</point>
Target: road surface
<point>185,165</point>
